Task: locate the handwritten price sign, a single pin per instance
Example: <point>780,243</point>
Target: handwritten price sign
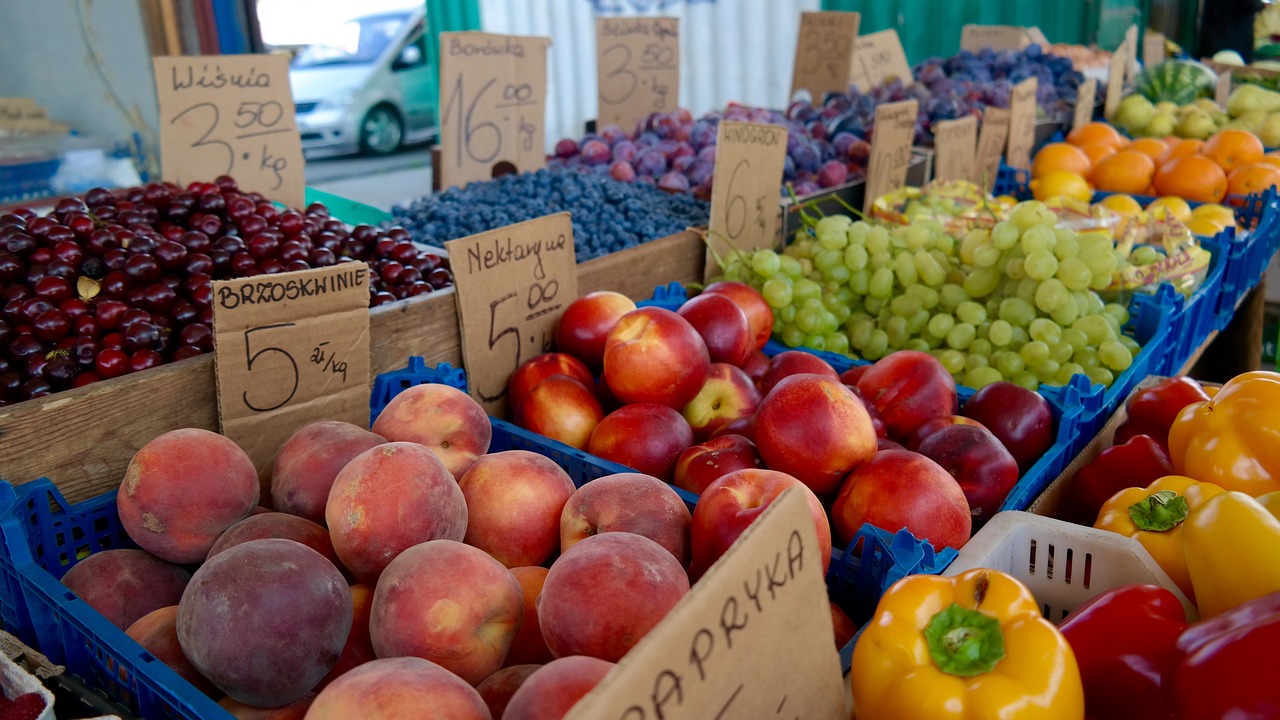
<point>291,349</point>
<point>513,284</point>
<point>895,130</point>
<point>493,94</point>
<point>956,144</point>
<point>824,53</point>
<point>1022,124</point>
<point>744,190</point>
<point>230,115</point>
<point>991,142</point>
<point>878,57</point>
<point>637,68</point>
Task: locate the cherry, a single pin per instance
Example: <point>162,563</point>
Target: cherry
<point>5,368</point>
<point>36,387</point>
<point>142,269</point>
<point>62,269</point>
<point>291,250</point>
<point>390,271</point>
<point>51,326</point>
<point>10,384</point>
<point>34,308</point>
<point>141,336</point>
<point>113,340</point>
<point>221,262</point>
<point>171,255</point>
<point>202,296</point>
<point>243,265</point>
<point>6,333</point>
<point>271,267</point>
<point>195,241</point>
<point>144,360</point>
<point>383,247</point>
<point>212,202</point>
<point>230,244</point>
<point>25,347</point>
<point>186,351</point>
<point>41,226</point>
<point>112,362</point>
<point>420,288</point>
<point>115,258</point>
<point>263,245</point>
<point>251,225</point>
<point>268,211</point>
<point>109,313</point>
<point>133,315</point>
<point>296,266</point>
<point>98,196</point>
<point>290,223</point>
<point>85,378</point>
<point>225,183</point>
<point>53,289</point>
<point>207,224</point>
<point>85,351</point>
<point>60,371</point>
<point>439,278</point>
<point>321,257</point>
<point>198,264</point>
<point>198,335</point>
<point>159,297</point>
<point>239,207</point>
<point>399,234</point>
<point>142,245</point>
<point>382,298</point>
<point>11,267</point>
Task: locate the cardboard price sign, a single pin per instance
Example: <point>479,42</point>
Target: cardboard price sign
<point>824,53</point>
<point>230,115</point>
<point>1131,53</point>
<point>1222,89</point>
<point>493,95</point>
<point>291,349</point>
<point>1115,80</point>
<point>895,130</point>
<point>752,639</point>
<point>1022,123</point>
<point>1086,98</point>
<point>1036,37</point>
<point>878,57</point>
<point>637,68</point>
<point>1152,48</point>
<point>513,283</point>
<point>956,145</point>
<point>744,189</point>
<point>997,37</point>
<point>23,115</point>
<point>991,142</point>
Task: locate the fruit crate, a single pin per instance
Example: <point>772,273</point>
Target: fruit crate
<point>1063,564</point>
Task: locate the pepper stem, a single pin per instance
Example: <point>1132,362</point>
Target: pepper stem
<point>1161,512</point>
<point>964,642</point>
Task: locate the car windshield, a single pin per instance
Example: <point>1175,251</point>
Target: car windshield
<point>356,42</point>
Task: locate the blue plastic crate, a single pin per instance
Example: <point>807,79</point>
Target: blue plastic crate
<point>44,536</point>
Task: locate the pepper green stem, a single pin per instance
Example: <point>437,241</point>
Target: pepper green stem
<point>1161,512</point>
<point>964,642</point>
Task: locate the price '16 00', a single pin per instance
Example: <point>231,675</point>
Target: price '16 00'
<point>482,142</point>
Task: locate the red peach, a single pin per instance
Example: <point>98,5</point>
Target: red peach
<point>464,619</point>
<point>723,327</point>
<point>359,647</point>
<point>497,689</point>
<point>843,625</point>
<point>759,314</point>
<point>908,387</point>
<point>514,499</point>
<point>586,323</point>
<point>899,489</point>
<point>552,691</point>
<point>126,584</point>
<point>278,525</point>
<point>157,633</point>
<point>744,426</point>
<point>309,461</point>
<point>727,395</point>
<point>701,465</point>
<point>630,503</point>
<point>932,426</point>
<point>645,437</point>
<point>293,711</point>
<point>529,374</point>
<point>443,419</point>
<point>529,647</point>
<point>813,428</point>
<point>756,366</point>
<point>562,409</point>
<point>397,688</point>
<point>655,356</point>
<point>793,362</point>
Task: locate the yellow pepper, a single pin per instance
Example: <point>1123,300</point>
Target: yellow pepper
<point>1232,545</point>
<point>1154,516</point>
<point>970,646</point>
<point>1233,440</point>
<point>1271,501</point>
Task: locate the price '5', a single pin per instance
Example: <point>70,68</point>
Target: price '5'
<point>512,321</point>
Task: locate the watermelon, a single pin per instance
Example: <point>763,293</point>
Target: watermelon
<point>1176,81</point>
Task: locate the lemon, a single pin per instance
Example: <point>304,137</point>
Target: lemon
<point>1204,226</point>
<point>1166,206</point>
<point>1122,204</point>
<point>1219,214</point>
<point>1061,184</point>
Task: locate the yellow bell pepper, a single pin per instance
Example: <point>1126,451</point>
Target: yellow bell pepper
<point>970,646</point>
<point>1154,516</point>
<point>1270,501</point>
<point>1233,440</point>
<point>1232,545</point>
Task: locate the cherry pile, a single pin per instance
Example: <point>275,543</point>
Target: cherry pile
<point>118,282</point>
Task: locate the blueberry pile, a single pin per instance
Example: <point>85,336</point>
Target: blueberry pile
<point>608,215</point>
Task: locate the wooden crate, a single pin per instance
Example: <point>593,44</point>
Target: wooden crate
<point>83,439</point>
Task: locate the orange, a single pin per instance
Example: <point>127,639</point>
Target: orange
<point>1127,171</point>
<point>1096,152</point>
<point>1234,148</point>
<point>1250,179</point>
<point>1150,147</point>
<point>1181,148</point>
<point>1097,133</point>
<point>1272,160</point>
<point>1060,157</point>
<point>1194,177</point>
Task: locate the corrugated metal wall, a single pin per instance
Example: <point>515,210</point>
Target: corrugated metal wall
<point>730,50</point>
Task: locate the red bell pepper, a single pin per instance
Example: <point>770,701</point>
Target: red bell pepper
<point>1124,641</point>
<point>1152,410</point>
<point>1228,670</point>
<point>1136,463</point>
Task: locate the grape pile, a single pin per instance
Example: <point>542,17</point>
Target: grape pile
<point>1016,302</point>
<point>608,215</point>
<point>118,282</point>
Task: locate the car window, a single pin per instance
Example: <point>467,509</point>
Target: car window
<point>417,39</point>
<point>356,42</point>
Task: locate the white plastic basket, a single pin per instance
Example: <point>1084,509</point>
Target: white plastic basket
<point>16,681</point>
<point>1063,564</point>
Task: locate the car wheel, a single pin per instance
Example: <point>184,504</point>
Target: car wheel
<point>381,131</point>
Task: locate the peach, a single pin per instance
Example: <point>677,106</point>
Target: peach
<point>562,409</point>
<point>441,418</point>
<point>606,593</point>
<point>586,323</point>
<point>531,373</point>
<point>278,525</point>
<point>182,490</point>
<point>309,461</point>
<point>644,437</point>
<point>756,366</point>
<point>744,426</point>
<point>529,647</point>
<point>701,465</point>
<point>630,503</point>
<point>793,362</point>
<point>727,395</point>
<point>655,356</point>
<point>514,499</point>
<point>157,633</point>
<point>389,498</point>
<point>398,688</point>
<point>359,647</point>
<point>497,689</point>
<point>728,507</point>
<point>265,621</point>
<point>449,603</point>
<point>813,428</point>
<point>124,585</point>
<point>759,314</point>
<point>899,489</point>
<point>843,625</point>
<point>723,327</point>
<point>296,710</point>
<point>552,691</point>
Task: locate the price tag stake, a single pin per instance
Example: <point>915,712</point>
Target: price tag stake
<point>637,68</point>
<point>1022,123</point>
<point>230,115</point>
<point>878,57</point>
<point>956,144</point>
<point>991,142</point>
<point>895,131</point>
<point>744,190</point>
